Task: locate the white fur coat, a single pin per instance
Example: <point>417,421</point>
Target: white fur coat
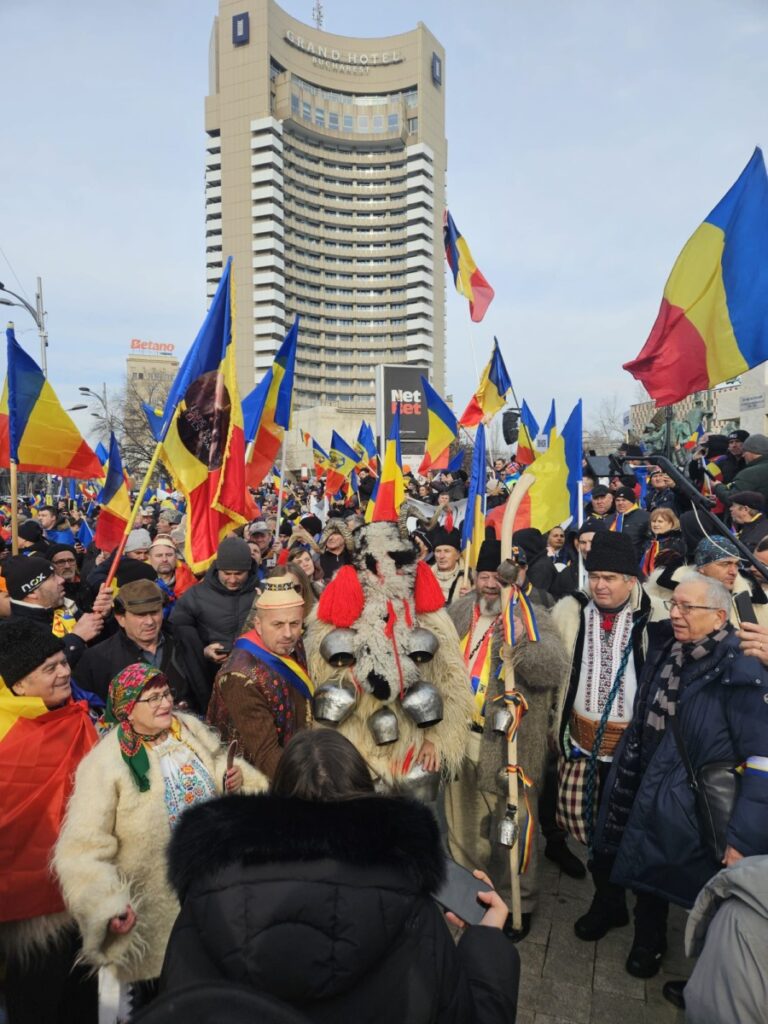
<point>112,847</point>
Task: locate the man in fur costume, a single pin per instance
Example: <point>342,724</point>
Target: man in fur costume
<point>476,800</point>
<point>605,639</point>
<point>261,694</point>
<point>381,634</point>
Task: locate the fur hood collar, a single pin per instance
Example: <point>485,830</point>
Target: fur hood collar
<point>371,831</point>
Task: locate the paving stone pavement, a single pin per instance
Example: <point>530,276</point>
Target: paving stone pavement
<point>567,981</point>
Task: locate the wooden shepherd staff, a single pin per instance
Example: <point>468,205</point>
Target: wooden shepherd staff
<point>519,491</point>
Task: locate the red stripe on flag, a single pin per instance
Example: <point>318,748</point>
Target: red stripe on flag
<point>264,454</point>
<point>109,529</point>
<point>473,414</point>
<point>673,361</point>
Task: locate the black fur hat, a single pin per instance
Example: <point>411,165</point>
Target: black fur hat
<point>24,646</point>
<point>612,552</point>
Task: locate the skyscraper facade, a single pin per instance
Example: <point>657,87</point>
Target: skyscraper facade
<point>325,181</point>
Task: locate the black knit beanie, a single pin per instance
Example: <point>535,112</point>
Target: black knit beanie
<point>24,646</point>
<point>23,575</point>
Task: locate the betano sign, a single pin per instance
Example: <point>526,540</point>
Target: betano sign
<point>151,348</point>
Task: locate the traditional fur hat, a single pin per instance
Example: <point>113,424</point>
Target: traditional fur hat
<point>24,646</point>
<point>612,552</point>
<point>337,526</point>
<point>489,558</point>
<point>446,538</point>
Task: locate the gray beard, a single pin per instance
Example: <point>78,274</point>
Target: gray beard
<point>490,606</point>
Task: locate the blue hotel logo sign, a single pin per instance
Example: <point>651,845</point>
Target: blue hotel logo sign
<point>241,29</point>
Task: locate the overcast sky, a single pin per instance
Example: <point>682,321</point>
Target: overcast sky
<point>587,140</point>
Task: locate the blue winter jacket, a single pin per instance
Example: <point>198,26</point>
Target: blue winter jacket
<point>649,817</point>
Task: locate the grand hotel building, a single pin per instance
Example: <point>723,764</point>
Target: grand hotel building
<point>325,181</point>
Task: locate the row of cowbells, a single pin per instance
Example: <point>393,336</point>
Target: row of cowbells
<point>338,646</point>
<point>335,701</point>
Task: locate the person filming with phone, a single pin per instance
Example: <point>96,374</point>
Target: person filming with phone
<point>207,618</point>
<point>339,882</point>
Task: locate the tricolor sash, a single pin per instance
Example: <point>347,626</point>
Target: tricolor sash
<point>479,670</point>
<point>287,668</point>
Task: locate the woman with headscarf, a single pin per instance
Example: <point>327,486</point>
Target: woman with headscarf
<point>128,796</point>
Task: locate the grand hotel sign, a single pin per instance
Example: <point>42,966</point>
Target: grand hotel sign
<point>345,61</point>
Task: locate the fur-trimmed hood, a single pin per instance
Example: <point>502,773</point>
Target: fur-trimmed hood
<point>337,525</point>
<point>304,901</point>
<point>374,831</point>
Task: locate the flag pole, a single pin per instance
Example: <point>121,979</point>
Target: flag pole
<point>14,508</point>
<point>519,491</point>
<point>280,491</point>
<point>132,517</point>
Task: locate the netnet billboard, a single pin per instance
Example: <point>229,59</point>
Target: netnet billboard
<point>402,383</point>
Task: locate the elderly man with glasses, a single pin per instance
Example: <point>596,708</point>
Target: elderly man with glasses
<point>702,699</point>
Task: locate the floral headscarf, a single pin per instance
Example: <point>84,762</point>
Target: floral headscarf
<point>124,690</point>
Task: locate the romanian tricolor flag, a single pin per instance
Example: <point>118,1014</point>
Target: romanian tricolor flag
<point>365,446</point>
<point>203,439</point>
<point>115,502</point>
<point>385,503</point>
<point>276,414</point>
<point>321,458</point>
<point>343,459</point>
<point>529,431</point>
<point>39,752</point>
<point>548,502</point>
<point>253,407</point>
<point>491,394</point>
<point>473,527</point>
<point>468,280</point>
<point>443,430</point>
<point>713,320</point>
<point>694,439</point>
<point>35,431</point>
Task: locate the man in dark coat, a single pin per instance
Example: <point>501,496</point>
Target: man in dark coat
<point>754,475</point>
<point>210,616</point>
<point>599,512</point>
<point>696,674</point>
<point>631,520</point>
<point>142,636</point>
<point>749,518</point>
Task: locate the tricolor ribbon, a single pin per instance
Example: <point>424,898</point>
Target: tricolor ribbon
<point>519,600</point>
<point>530,831</point>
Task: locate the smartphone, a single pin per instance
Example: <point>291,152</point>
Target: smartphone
<point>458,893</point>
<point>744,607</point>
<point>223,649</point>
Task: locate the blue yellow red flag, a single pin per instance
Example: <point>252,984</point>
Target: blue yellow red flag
<point>547,503</point>
<point>529,431</point>
<point>203,437</point>
<point>365,445</point>
<point>35,431</point>
<point>692,441</point>
<point>253,406</point>
<point>713,320</point>
<point>573,440</point>
<point>468,280</point>
<point>115,502</point>
<point>343,459</point>
<point>473,527</point>
<point>549,426</point>
<point>321,458</point>
<point>389,495</point>
<point>491,394</point>
<point>443,430</point>
<point>275,416</point>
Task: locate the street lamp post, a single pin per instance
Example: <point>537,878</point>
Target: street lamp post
<point>37,312</point>
<point>102,399</point>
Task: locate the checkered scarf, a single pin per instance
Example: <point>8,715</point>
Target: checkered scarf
<point>664,702</point>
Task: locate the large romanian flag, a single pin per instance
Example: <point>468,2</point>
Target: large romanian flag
<point>385,504</point>
<point>442,433</point>
<point>473,527</point>
<point>35,431</point>
<point>491,394</point>
<point>39,752</point>
<point>468,280</point>
<point>115,502</point>
<point>204,444</point>
<point>275,416</point>
<point>713,320</point>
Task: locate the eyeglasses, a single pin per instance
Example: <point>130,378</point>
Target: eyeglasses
<point>156,699</point>
<point>685,609</point>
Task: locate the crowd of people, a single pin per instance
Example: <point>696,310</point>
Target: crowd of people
<point>323,673</point>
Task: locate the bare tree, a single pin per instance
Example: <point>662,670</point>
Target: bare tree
<point>606,429</point>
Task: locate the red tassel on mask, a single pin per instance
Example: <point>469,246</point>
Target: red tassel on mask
<point>427,595</point>
<point>342,601</point>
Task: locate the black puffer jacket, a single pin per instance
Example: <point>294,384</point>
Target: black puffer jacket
<point>327,907</point>
<point>205,614</point>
